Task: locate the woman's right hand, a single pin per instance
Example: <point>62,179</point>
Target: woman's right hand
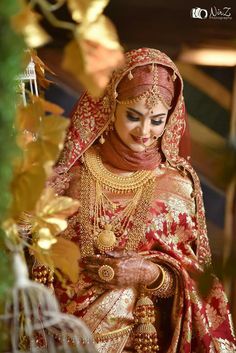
<point>130,269</point>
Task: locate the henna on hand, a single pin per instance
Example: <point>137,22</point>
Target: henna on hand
<point>130,269</point>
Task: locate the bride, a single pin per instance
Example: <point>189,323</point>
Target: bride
<point>141,224</point>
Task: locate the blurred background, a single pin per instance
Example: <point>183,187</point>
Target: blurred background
<point>200,36</point>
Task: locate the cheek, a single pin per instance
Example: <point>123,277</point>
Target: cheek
<point>157,130</point>
<point>123,126</point>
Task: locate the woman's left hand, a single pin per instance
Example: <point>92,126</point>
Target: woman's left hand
<point>128,269</point>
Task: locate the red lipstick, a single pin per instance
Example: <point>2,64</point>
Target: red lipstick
<point>140,139</point>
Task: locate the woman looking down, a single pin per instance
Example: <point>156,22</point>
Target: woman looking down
<point>141,224</point>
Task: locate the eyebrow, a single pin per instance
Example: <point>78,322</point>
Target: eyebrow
<point>140,114</point>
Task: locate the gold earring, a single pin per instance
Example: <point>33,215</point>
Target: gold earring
<point>130,75</point>
<point>111,124</point>
<point>102,140</point>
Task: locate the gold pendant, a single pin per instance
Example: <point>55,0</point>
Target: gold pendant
<point>106,239</point>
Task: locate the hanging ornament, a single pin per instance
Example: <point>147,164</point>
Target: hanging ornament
<point>130,76</point>
<point>102,140</point>
<point>45,239</point>
<point>106,239</point>
<point>145,334</point>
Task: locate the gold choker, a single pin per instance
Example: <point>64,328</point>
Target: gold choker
<point>113,182</point>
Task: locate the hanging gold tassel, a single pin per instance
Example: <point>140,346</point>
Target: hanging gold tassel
<point>145,334</point>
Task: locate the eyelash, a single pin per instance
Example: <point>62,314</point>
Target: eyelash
<point>133,118</point>
<point>157,122</point>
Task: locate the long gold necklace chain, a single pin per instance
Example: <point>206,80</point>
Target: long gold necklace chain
<point>106,233</point>
<point>113,182</point>
<point>86,244</point>
<point>106,239</point>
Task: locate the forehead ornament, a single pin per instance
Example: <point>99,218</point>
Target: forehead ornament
<point>152,95</point>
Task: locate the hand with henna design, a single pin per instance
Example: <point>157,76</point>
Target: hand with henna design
<point>130,269</point>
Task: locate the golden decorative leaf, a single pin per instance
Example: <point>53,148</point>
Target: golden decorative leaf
<point>26,186</point>
<point>50,138</point>
<point>63,255</point>
<point>48,106</point>
<point>51,212</point>
<point>102,31</point>
<point>53,226</point>
<point>45,239</point>
<point>96,50</point>
<point>26,22</point>
<point>27,124</point>
<point>41,136</point>
<point>42,139</point>
<point>11,230</point>
<point>52,206</point>
<point>86,10</point>
<point>27,118</point>
<point>92,64</point>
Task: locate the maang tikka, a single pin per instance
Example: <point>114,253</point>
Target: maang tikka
<point>152,95</point>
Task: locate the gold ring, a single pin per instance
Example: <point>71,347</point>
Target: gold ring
<point>106,273</point>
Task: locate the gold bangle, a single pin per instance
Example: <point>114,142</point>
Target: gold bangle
<point>162,279</point>
<point>166,288</point>
<point>106,273</point>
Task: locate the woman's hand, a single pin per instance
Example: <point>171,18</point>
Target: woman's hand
<point>130,269</point>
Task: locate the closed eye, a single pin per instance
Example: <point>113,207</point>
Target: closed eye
<point>130,117</point>
<point>157,122</point>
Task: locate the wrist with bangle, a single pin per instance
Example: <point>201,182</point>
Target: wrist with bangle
<point>164,285</point>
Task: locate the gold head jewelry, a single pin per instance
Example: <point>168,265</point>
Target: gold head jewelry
<point>152,95</point>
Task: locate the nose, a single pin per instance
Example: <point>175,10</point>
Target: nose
<point>145,127</point>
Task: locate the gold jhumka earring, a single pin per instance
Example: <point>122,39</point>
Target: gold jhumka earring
<point>109,128</point>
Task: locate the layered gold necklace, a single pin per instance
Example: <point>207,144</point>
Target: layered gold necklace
<point>113,182</point>
<point>108,221</point>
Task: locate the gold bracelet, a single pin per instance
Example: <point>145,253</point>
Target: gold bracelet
<point>166,288</point>
<point>162,274</point>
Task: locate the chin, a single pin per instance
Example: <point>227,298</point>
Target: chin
<point>137,148</point>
